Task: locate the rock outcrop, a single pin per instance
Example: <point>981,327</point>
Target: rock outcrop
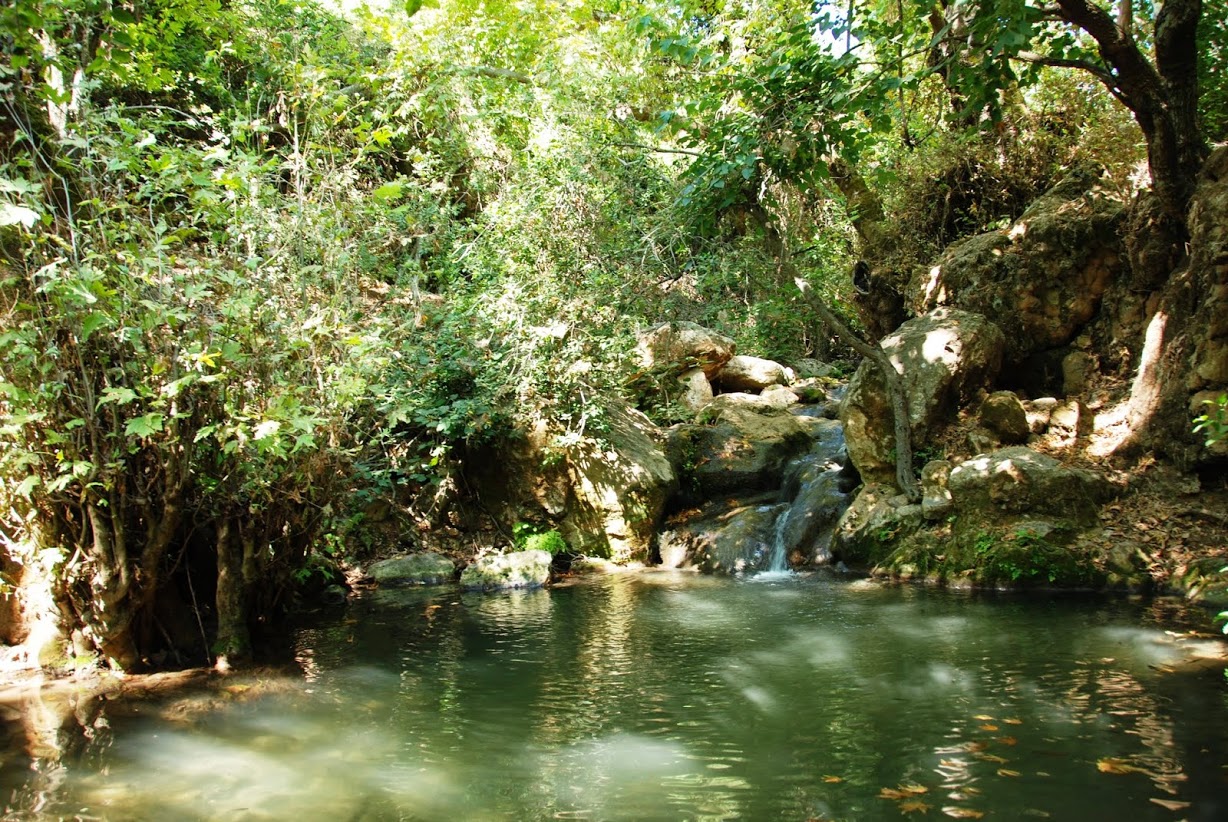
<point>944,358</point>
<point>605,494</point>
<point>1042,279</point>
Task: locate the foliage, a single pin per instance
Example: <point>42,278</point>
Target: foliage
<point>1214,423</point>
<point>529,537</point>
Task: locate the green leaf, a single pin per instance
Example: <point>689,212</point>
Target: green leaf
<point>145,425</point>
<point>388,191</point>
<point>27,485</point>
<point>118,396</point>
<point>17,215</point>
<point>92,323</point>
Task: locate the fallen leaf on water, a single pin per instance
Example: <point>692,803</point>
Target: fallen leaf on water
<point>992,758</point>
<point>1038,813</point>
<point>891,793</point>
<point>832,780</point>
<point>976,746</point>
<point>914,806</point>
<point>962,813</point>
<point>1013,721</point>
<point>989,727</point>
<point>950,763</point>
<point>1171,804</point>
<point>902,792</point>
<point>983,718</point>
<point>914,789</point>
<point>1007,740</point>
<point>1116,766</point>
<point>1007,772</point>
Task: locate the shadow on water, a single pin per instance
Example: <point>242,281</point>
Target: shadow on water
<point>664,696</point>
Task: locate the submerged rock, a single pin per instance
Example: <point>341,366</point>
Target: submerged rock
<point>519,569</point>
<point>413,569</point>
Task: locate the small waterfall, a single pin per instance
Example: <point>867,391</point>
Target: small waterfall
<point>778,560</point>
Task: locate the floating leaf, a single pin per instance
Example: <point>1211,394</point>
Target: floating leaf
<point>974,747</point>
<point>914,789</point>
<point>983,718</point>
<point>1007,740</point>
<point>1007,772</point>
<point>992,758</point>
<point>914,806</point>
<point>1171,804</point>
<point>988,727</point>
<point>962,813</point>
<point>1116,766</point>
<point>832,780</point>
<point>1013,721</point>
<point>892,793</point>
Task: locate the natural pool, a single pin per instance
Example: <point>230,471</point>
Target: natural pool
<point>663,696</point>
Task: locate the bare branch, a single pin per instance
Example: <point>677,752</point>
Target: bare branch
<point>660,149</point>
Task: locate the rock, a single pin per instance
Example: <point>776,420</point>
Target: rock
<point>519,569</point>
<point>743,373</point>
<point>867,529</point>
<point>1039,412</point>
<point>807,368</point>
<point>696,390</point>
<point>723,538</point>
<point>745,448</point>
<point>936,502</point>
<point>982,440</point>
<point>809,391</point>
<point>1040,280</point>
<point>618,488</point>
<point>1064,421</point>
<point>1077,368</point>
<point>605,496</point>
<point>1003,414</point>
<point>944,357</point>
<point>779,396</point>
<point>682,346</point>
<point>1018,480</point>
<point>413,569</point>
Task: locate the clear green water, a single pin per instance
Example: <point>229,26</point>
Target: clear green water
<point>675,697</point>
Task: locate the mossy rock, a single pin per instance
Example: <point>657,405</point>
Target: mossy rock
<point>413,569</point>
<point>519,569</point>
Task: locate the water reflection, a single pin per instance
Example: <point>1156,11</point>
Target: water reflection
<point>664,696</point>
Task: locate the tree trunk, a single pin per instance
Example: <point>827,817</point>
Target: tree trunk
<point>234,642</point>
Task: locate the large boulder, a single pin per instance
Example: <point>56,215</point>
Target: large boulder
<point>726,537</point>
<point>743,447</point>
<point>605,494</point>
<point>694,390</point>
<point>1015,481</point>
<point>944,358</point>
<point>413,569</point>
<point>519,569</point>
<point>743,373</point>
<point>1039,280</point>
<point>681,346</point>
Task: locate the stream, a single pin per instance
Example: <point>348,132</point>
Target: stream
<point>671,696</point>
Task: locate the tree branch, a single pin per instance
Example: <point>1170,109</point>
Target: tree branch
<point>502,74</point>
<point>660,149</point>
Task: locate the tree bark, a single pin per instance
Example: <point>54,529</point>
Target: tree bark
<point>233,643</point>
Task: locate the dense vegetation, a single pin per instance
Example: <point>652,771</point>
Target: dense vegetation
<point>264,264</point>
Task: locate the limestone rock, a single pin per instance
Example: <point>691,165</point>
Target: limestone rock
<point>869,526</point>
<point>520,569</point>
<point>696,390</point>
<point>1040,280</point>
<point>743,449</point>
<point>726,539</point>
<point>683,346</point>
<point>944,358</point>
<point>605,496</point>
<point>1003,414</point>
<point>1018,480</point>
<point>413,569</point>
<point>936,502</point>
<point>743,373</point>
<point>807,368</point>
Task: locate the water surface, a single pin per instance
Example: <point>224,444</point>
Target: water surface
<point>676,697</point>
